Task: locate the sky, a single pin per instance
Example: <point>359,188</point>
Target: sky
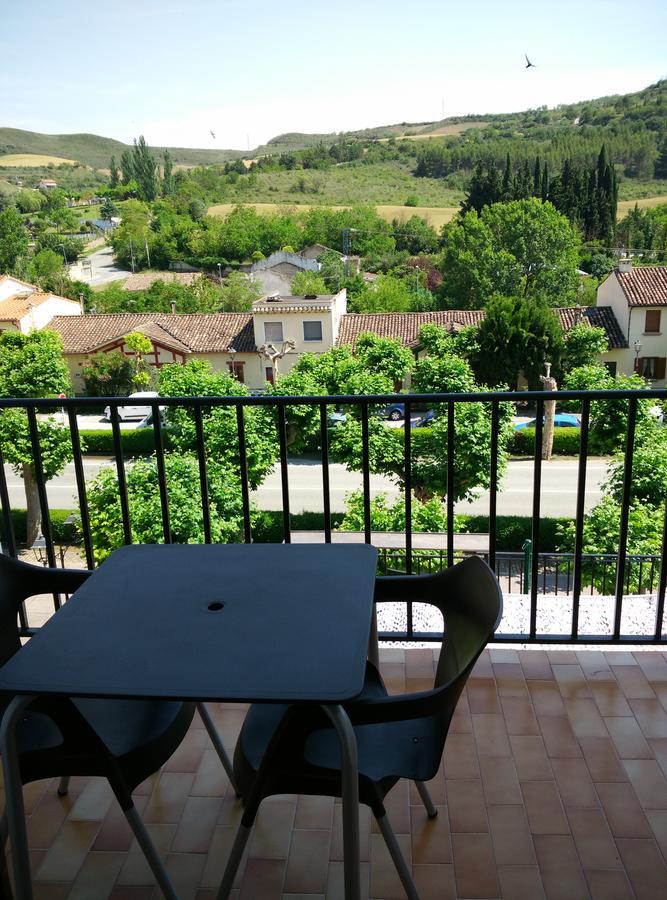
<point>248,71</point>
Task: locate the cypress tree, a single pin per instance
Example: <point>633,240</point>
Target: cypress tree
<point>545,182</point>
<point>114,176</point>
<point>507,179</point>
<point>537,181</point>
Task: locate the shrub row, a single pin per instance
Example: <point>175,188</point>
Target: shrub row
<point>61,532</point>
<point>566,442</point>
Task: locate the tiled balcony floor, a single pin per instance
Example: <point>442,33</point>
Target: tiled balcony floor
<point>554,785</point>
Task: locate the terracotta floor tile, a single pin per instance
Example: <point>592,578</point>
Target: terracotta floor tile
<point>431,838</point>
<point>68,852</point>
<point>217,856</point>
<point>546,697</point>
<point>385,882</point>
<point>314,812</point>
<point>196,825</point>
<point>263,878</point>
<point>653,665</point>
<point>585,718</point>
<point>521,883</point>
<point>571,681</point>
<point>308,862</point>
<point>560,868</point>
<point>51,890</point>
<point>574,783</point>
<point>397,805</point>
<point>536,666</point>
<point>272,829</point>
<point>648,781</point>
<point>483,695</point>
<point>465,805</point>
<point>460,757</point>
<point>608,884</point>
<point>135,870</point>
<point>623,811</point>
<point>419,661</point>
<point>210,777</point>
<point>610,699</point>
<point>365,819</point>
<point>97,876</point>
<point>558,736</point>
<point>595,666</point>
<point>544,808</point>
<point>169,797</point>
<point>602,760</point>
<point>593,839</point>
<point>503,655</point>
<point>633,682</point>
<point>519,715</point>
<point>651,717</point>
<point>657,819</point>
<point>645,867</point>
<point>512,843</point>
<point>510,679</point>
<point>94,801</point>
<point>530,758</point>
<point>335,882</point>
<point>47,819</point>
<point>188,756</point>
<point>483,668</point>
<point>474,867</point>
<point>628,739</point>
<point>490,735</point>
<point>499,780</point>
<point>434,882</point>
<point>620,658</point>
<point>562,657</point>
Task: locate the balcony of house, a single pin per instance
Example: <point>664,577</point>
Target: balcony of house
<point>553,782</point>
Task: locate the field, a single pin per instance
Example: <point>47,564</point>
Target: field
<point>435,216</point>
<point>625,206</point>
<point>440,131</point>
<point>33,160</point>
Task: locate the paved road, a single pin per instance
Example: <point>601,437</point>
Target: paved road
<point>104,268</point>
<point>559,479</point>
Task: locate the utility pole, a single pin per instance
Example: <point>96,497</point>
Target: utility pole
<point>148,255</point>
<point>132,255</point>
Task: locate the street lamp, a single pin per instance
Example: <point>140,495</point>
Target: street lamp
<point>219,272</point>
<point>232,352</point>
<point>417,271</point>
<point>638,346</point>
<point>62,247</point>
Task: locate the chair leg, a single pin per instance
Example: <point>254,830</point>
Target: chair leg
<point>217,743</point>
<point>397,857</point>
<point>426,799</point>
<point>63,786</point>
<point>149,851</point>
<point>234,861</point>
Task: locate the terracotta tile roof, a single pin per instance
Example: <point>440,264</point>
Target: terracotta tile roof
<point>144,280</point>
<point>644,286</point>
<point>404,327</point>
<point>13,308</point>
<point>17,281</point>
<point>195,332</point>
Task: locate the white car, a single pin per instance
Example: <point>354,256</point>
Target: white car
<point>138,409</point>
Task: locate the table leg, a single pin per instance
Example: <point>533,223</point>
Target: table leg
<point>350,793</point>
<point>14,796</point>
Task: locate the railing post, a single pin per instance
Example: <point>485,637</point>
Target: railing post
<point>527,548</point>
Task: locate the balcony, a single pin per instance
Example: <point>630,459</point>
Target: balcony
<point>554,785</point>
<point>554,782</point>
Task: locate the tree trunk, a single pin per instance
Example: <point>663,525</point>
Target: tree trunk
<point>548,433</point>
<point>33,509</point>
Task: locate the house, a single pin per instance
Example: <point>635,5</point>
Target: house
<point>47,184</point>
<point>638,298</point>
<point>24,307</point>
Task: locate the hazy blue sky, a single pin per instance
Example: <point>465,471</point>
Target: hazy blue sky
<point>251,70</point>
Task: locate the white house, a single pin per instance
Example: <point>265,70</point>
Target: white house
<point>24,307</point>
<point>638,298</point>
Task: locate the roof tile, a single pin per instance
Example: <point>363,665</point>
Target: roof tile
<point>644,286</point>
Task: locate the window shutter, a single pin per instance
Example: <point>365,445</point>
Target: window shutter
<point>660,367</point>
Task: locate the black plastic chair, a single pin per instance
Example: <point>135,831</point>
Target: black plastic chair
<point>124,741</point>
<point>294,750</point>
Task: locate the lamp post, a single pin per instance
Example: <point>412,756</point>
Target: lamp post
<point>418,286</point>
<point>232,353</point>
<point>219,272</point>
<point>62,247</point>
<point>638,346</point>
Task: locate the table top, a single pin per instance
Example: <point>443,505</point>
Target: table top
<point>234,622</point>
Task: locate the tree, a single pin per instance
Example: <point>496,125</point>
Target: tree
<point>108,209</point>
<point>127,166</point>
<point>108,374</point>
<point>134,236</point>
<point>416,236</point>
<point>28,201</point>
<point>306,282</point>
<point>429,516</point>
<point>524,248</point>
<point>46,269</point>
<point>167,174</point>
<point>386,294</point>
<point>140,345</point>
<point>517,334</point>
<point>144,170</point>
<point>14,239</point>
<point>332,270</point>
<point>582,346</point>
<point>32,365</point>
<point>114,174</point>
<point>238,292</point>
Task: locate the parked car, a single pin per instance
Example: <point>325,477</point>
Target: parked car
<point>137,409</point>
<point>423,421</point>
<point>561,420</point>
<point>336,418</point>
<point>395,411</point>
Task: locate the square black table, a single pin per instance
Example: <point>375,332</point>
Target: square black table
<point>238,623</point>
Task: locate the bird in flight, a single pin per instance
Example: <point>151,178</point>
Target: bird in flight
<point>529,63</point>
<point>213,135</point>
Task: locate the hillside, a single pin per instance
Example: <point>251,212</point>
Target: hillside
<point>93,150</point>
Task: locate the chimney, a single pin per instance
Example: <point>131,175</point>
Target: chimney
<point>173,307</point>
<point>625,264</point>
<point>578,313</point>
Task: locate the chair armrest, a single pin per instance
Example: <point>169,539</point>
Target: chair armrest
<point>396,588</point>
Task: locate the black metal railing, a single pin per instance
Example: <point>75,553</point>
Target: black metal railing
<point>557,574</point>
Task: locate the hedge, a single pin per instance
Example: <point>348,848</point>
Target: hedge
<point>136,442</point>
<point>566,442</point>
<point>61,532</point>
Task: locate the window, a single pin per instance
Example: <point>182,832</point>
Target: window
<point>273,331</point>
<point>268,374</point>
<point>611,368</point>
<point>236,370</point>
<point>312,331</point>
<point>652,367</point>
<point>652,323</point>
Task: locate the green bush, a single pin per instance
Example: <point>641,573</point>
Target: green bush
<point>135,443</point>
<point>566,442</point>
<point>61,532</point>
<point>512,531</point>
